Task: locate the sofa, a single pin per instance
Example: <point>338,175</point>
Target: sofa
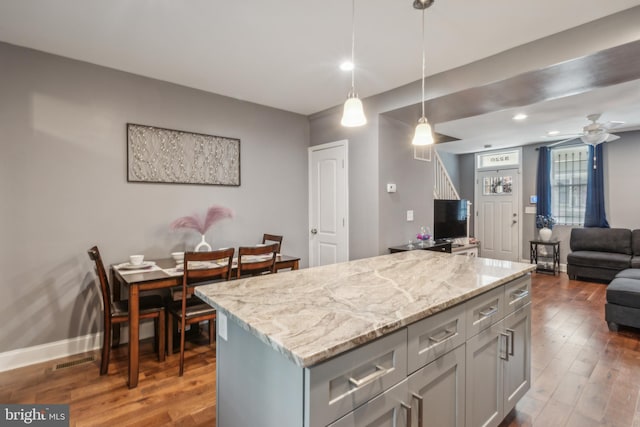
<point>600,253</point>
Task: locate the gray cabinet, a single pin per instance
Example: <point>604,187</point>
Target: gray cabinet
<point>466,365</point>
<point>517,367</point>
<point>498,368</point>
<point>438,391</point>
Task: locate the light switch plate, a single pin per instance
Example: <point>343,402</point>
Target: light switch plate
<point>409,215</point>
<point>221,320</point>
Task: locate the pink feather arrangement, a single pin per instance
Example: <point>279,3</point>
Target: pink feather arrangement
<point>196,222</point>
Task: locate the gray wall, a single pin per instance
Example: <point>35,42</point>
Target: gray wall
<point>365,148</point>
<point>622,173</point>
<point>64,188</point>
<point>414,181</point>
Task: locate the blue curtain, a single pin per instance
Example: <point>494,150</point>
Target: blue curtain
<point>594,215</point>
<point>543,182</point>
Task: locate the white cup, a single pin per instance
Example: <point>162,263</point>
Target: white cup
<point>136,259</point>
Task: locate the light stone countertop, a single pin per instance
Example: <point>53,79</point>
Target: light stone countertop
<point>313,314</point>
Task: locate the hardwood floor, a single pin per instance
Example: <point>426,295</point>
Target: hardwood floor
<point>583,375</point>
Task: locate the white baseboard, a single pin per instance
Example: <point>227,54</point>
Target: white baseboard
<point>55,350</point>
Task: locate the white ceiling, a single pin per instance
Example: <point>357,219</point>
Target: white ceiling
<point>285,54</point>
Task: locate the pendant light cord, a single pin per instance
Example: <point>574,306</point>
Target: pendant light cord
<point>423,63</point>
<point>353,45</point>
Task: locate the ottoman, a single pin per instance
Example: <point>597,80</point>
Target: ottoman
<point>623,300</point>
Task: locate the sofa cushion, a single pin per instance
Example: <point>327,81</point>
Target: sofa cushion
<point>635,242</point>
<point>610,260</point>
<point>624,291</point>
<point>616,240</point>
<point>629,273</point>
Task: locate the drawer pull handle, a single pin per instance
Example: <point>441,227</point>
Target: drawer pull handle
<point>522,293</point>
<point>446,334</point>
<point>506,347</point>
<point>512,339</point>
<point>420,399</point>
<point>379,372</point>
<point>408,408</point>
<point>489,312</point>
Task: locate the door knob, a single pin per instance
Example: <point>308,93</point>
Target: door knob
<point>314,231</point>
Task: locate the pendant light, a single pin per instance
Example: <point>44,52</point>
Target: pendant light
<point>353,114</point>
<point>423,135</point>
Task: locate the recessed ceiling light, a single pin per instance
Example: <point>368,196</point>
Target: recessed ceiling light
<point>553,132</point>
<point>346,66</point>
<point>520,116</point>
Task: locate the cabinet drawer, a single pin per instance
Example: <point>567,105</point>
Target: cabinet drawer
<point>517,294</point>
<point>390,409</point>
<point>435,336</point>
<point>339,385</point>
<point>484,310</point>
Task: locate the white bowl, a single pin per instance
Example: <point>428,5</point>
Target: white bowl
<point>178,257</point>
<point>136,259</point>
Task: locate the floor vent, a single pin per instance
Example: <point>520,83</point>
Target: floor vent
<point>82,361</point>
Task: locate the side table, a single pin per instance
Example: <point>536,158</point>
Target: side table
<point>547,260</point>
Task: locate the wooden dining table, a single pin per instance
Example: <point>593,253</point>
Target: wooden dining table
<point>142,281</point>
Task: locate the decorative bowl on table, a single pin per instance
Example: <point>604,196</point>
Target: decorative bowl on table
<point>178,257</point>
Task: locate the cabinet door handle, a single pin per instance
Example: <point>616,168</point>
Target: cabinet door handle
<point>447,333</point>
<point>420,399</point>
<point>488,312</point>
<point>408,408</point>
<point>506,347</point>
<point>379,372</point>
<point>520,294</point>
<point>512,339</point>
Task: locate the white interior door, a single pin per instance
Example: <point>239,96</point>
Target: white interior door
<point>498,213</point>
<point>328,204</point>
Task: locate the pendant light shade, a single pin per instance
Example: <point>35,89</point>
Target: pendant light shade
<point>353,114</point>
<point>423,135</point>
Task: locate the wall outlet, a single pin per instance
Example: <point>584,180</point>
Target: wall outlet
<point>391,188</point>
<point>409,215</point>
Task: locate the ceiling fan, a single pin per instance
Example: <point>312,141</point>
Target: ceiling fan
<point>595,133</point>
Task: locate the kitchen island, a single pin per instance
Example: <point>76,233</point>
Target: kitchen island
<point>415,335</point>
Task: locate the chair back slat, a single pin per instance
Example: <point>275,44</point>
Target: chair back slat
<point>194,274</point>
<point>94,255</point>
<point>254,267</point>
<point>272,238</point>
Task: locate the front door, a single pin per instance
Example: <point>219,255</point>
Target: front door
<point>497,213</point>
<point>328,204</point>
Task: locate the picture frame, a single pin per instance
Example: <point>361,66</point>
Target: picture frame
<point>168,156</point>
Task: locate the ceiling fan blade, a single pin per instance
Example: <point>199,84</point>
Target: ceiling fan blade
<point>613,124</point>
<point>563,141</point>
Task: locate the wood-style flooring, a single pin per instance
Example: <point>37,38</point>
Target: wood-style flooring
<point>583,375</point>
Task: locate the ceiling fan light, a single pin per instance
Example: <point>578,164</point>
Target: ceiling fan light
<point>353,114</point>
<point>423,135</point>
<point>594,138</point>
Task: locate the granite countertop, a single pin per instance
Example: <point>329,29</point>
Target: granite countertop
<point>313,314</point>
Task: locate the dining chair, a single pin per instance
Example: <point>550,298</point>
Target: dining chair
<point>117,312</point>
<point>272,238</point>
<point>199,267</point>
<point>257,259</point>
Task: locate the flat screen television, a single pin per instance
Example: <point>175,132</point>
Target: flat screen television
<point>449,219</point>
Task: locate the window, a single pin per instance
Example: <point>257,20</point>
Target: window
<point>569,184</point>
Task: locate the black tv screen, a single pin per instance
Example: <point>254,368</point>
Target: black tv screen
<point>449,219</point>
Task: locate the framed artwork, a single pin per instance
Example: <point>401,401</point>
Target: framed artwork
<point>177,157</point>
